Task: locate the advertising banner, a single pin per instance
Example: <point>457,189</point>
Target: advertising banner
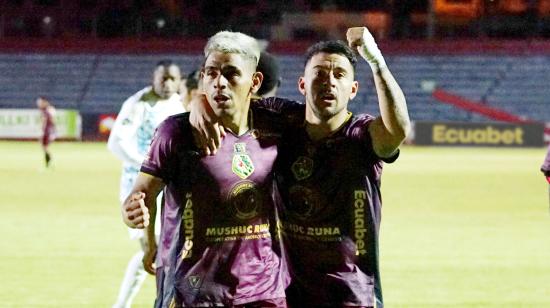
<point>479,134</point>
<point>27,124</point>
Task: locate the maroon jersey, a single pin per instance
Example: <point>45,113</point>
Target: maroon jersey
<point>331,217</point>
<point>219,238</point>
<point>48,125</point>
<point>545,168</point>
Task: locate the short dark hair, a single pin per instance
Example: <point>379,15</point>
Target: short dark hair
<point>336,47</point>
<point>269,67</point>
<point>166,63</point>
<point>192,80</point>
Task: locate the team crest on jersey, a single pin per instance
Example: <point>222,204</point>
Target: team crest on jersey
<point>194,281</point>
<point>304,202</point>
<point>242,164</point>
<point>245,199</point>
<point>302,168</point>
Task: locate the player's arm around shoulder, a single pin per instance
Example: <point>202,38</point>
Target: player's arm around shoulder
<point>390,129</point>
<point>140,206</point>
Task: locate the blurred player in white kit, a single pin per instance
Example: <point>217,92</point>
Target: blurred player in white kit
<point>129,140</point>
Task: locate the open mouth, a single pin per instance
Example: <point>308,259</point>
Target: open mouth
<point>328,97</point>
<point>221,98</point>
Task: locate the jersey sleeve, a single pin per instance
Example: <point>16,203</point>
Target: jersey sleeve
<point>545,168</point>
<point>163,152</point>
<point>361,131</point>
<point>289,108</point>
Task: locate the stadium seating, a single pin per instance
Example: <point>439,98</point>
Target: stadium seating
<point>100,83</point>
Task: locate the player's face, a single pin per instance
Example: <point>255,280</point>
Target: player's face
<point>328,84</point>
<point>40,103</point>
<point>166,81</point>
<point>229,80</point>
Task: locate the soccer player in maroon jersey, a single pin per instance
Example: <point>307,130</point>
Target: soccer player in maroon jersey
<point>219,245</point>
<point>329,171</point>
<point>47,113</point>
<point>545,168</point>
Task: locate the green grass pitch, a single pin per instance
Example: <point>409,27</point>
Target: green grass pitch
<point>461,228</point>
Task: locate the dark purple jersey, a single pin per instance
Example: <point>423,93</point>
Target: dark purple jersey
<point>331,217</point>
<point>219,236</point>
<point>545,168</point>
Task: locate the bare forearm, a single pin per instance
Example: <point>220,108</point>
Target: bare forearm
<point>393,106</point>
<point>390,129</point>
<point>150,231</point>
<point>142,199</point>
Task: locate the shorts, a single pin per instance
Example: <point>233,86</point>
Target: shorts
<point>159,277</point>
<point>46,139</point>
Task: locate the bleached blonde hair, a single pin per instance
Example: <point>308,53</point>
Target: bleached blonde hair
<point>233,42</point>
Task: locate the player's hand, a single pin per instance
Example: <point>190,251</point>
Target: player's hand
<point>207,131</point>
<point>134,212</point>
<point>149,256</point>
<point>360,39</point>
<point>355,36</point>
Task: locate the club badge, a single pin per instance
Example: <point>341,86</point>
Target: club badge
<point>302,168</point>
<point>304,202</point>
<point>242,164</point>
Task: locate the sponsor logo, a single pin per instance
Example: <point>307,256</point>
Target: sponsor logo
<point>194,281</point>
<point>479,134</point>
<point>302,168</point>
<point>244,232</point>
<point>311,233</point>
<point>106,122</point>
<point>245,199</point>
<point>188,228</point>
<point>359,221</point>
<point>237,230</point>
<point>484,135</point>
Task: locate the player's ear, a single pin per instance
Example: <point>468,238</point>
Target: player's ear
<point>200,83</point>
<point>257,79</point>
<point>354,89</point>
<point>302,85</point>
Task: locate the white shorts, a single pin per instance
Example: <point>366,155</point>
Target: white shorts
<point>127,181</point>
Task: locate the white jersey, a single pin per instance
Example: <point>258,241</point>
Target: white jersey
<point>136,123</point>
<point>132,133</point>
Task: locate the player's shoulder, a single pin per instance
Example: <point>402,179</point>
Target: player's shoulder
<point>280,109</point>
<point>362,118</point>
<point>175,128</point>
<point>176,122</point>
<point>280,105</point>
<point>360,122</point>
<point>137,97</point>
<point>268,121</point>
<point>357,128</point>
